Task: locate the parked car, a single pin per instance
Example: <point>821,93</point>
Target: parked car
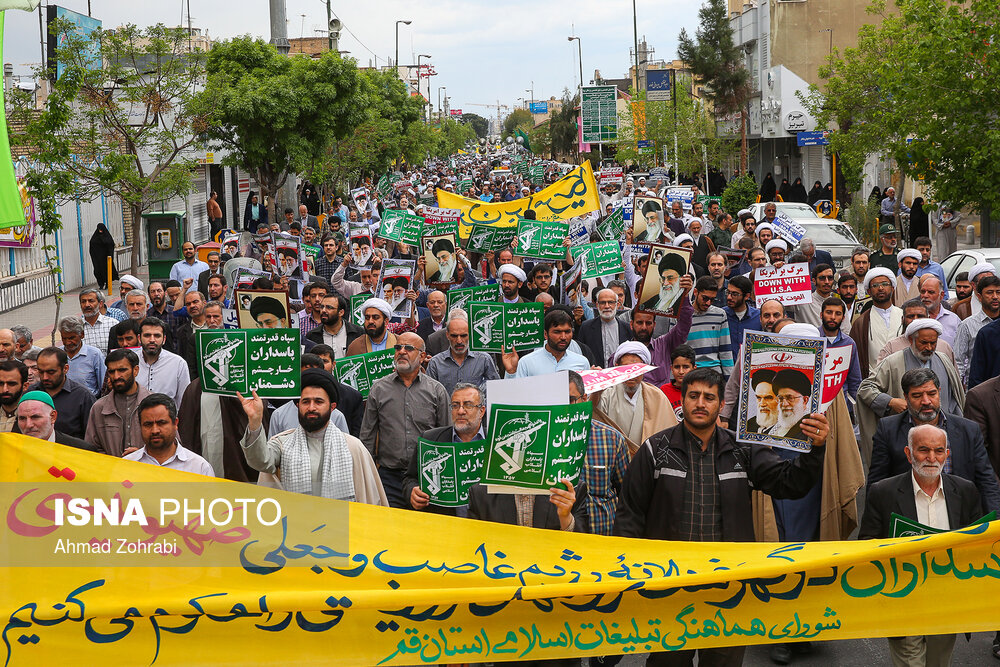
<point>963,260</point>
<point>828,234</point>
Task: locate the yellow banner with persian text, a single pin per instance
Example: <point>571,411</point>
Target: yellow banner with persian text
<point>573,195</point>
<point>301,580</point>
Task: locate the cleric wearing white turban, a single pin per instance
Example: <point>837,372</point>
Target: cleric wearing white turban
<point>508,288</point>
<point>636,408</point>
<point>378,304</point>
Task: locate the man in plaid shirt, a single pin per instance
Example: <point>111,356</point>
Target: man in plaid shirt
<point>96,327</point>
<point>603,468</point>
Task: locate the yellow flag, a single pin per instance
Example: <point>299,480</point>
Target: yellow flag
<point>283,578</point>
<point>571,196</point>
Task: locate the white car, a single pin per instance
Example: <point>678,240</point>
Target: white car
<point>828,234</point>
<point>963,260</point>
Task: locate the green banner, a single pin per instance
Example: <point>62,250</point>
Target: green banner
<point>536,447</point>
<point>12,212</point>
<point>600,259</point>
<point>361,370</point>
<point>612,228</point>
<point>537,174</point>
<point>900,526</point>
<point>241,360</point>
<point>401,225</point>
<point>541,239</point>
<point>489,238</point>
<point>706,199</point>
<point>495,326</point>
<point>449,469</point>
<point>464,186</point>
<point>356,315</point>
<point>461,297</point>
<point>311,250</point>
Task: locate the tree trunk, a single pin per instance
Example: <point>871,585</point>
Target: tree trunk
<point>744,158</point>
<point>900,182</point>
<point>136,238</point>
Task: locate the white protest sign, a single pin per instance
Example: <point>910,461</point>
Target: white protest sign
<point>789,285</point>
<point>603,378</point>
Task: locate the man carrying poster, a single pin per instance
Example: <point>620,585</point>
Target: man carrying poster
<point>792,367</point>
<point>448,460</point>
<point>661,286</point>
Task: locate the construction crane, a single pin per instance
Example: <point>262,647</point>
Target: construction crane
<point>496,106</point>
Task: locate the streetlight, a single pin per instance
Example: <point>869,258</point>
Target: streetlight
<point>579,44</point>
<point>422,55</point>
<point>635,36</point>
<point>397,42</point>
<point>440,88</point>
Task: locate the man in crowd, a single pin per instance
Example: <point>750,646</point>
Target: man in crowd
<point>114,419</point>
<point>740,313</point>
<point>71,400</point>
<point>217,290</point>
<point>160,371</point>
<point>968,458</point>
<point>367,276</point>
<point>928,495</point>
<point>963,290</point>
<point>551,357</point>
<point>716,264</point>
<point>987,293</point>
<point>880,394</point>
<point>814,256</point>
<point>312,296</point>
<point>512,278</point>
<point>315,458</point>
<point>635,408</point>
<point>189,267</point>
<point>194,304</point>
<point>707,475</point>
<point>337,331</point>
<point>377,313</point>
<point>859,269</point>
<point>328,261</point>
<point>888,206</point>
<point>458,364</point>
<point>912,309</point>
<point>437,305</point>
<point>214,261</point>
<point>709,334</point>
<point>812,313</point>
<point>907,285</point>
<point>831,328</point>
<point>876,326</point>
<point>400,408</point>
<point>23,341</point>
<point>38,417</point>
<point>305,219</point>
<point>468,407</point>
<point>86,363</point>
<point>13,383</point>
<point>604,333</point>
<point>158,425</point>
<point>847,290</point>
<point>928,266</point>
<point>96,327</point>
<point>932,295</point>
<point>776,249</point>
<point>886,256</point>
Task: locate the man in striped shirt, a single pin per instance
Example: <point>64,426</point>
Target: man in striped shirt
<point>709,335</point>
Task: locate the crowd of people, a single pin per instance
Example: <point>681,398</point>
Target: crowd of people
<point>914,432</point>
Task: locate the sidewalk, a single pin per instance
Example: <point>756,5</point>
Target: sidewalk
<point>40,316</point>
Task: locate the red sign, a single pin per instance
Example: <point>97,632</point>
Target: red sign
<point>790,285</point>
<point>244,185</point>
<point>455,112</point>
<point>836,365</point>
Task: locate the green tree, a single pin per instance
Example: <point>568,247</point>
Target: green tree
<point>718,62</point>
<point>562,127</point>
<point>920,88</point>
<point>274,114</point>
<point>740,192</point>
<point>126,127</point>
<point>517,118</point>
<point>478,123</point>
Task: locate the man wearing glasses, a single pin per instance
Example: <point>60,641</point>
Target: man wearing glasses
<point>401,407</point>
<point>458,364</point>
<point>468,407</point>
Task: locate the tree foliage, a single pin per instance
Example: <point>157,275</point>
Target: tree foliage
<point>563,132</point>
<point>740,192</point>
<point>274,114</point>
<point>920,88</point>
<point>717,60</point>
<point>518,118</point>
<point>655,121</point>
<point>126,128</point>
<point>478,123</point>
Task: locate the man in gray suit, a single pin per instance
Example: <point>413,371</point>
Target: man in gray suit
<point>306,219</point>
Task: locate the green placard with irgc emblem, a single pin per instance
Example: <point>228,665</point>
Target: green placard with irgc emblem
<point>536,447</point>
<point>496,326</point>
<point>401,225</point>
<point>243,360</point>
<point>613,227</point>
<point>541,239</point>
<point>449,469</point>
<point>489,238</point>
<point>600,259</point>
<point>461,297</point>
<point>356,315</point>
<point>361,370</point>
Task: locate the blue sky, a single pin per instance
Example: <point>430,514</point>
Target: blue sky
<point>482,51</point>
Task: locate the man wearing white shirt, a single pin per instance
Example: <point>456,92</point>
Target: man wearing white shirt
<point>158,424</point>
<point>160,371</point>
<point>189,267</point>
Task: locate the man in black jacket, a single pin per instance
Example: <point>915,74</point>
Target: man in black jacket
<point>929,496</point>
<point>337,330</point>
<point>606,328</point>
<point>36,417</point>
<point>968,458</point>
<point>692,482</point>
<point>351,403</point>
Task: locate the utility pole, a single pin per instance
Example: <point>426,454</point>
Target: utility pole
<point>329,25</point>
<point>635,37</point>
<point>279,26</point>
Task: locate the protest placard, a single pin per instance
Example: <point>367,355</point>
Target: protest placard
<point>541,239</point>
<point>789,284</point>
<point>361,370</point>
<point>464,186</point>
<point>401,225</point>
<point>262,309</point>
<point>536,447</point>
<point>612,176</point>
<point>449,469</point>
<point>434,216</point>
<point>397,278</point>
<point>579,234</point>
<point>600,259</point>
<point>356,315</point>
<point>782,383</point>
<point>836,366</point>
<point>683,194</point>
<point>612,227</point>
<point>661,291</point>
<point>237,360</point>
<point>787,228</point>
<point>537,174</point>
<point>494,326</point>
<point>489,238</point>
<point>288,257</point>
<point>461,297</point>
<point>733,255</point>
<point>647,222</point>
<point>440,258</point>
<point>360,197</point>
<point>236,245</point>
<point>361,246</point>
<point>604,378</point>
